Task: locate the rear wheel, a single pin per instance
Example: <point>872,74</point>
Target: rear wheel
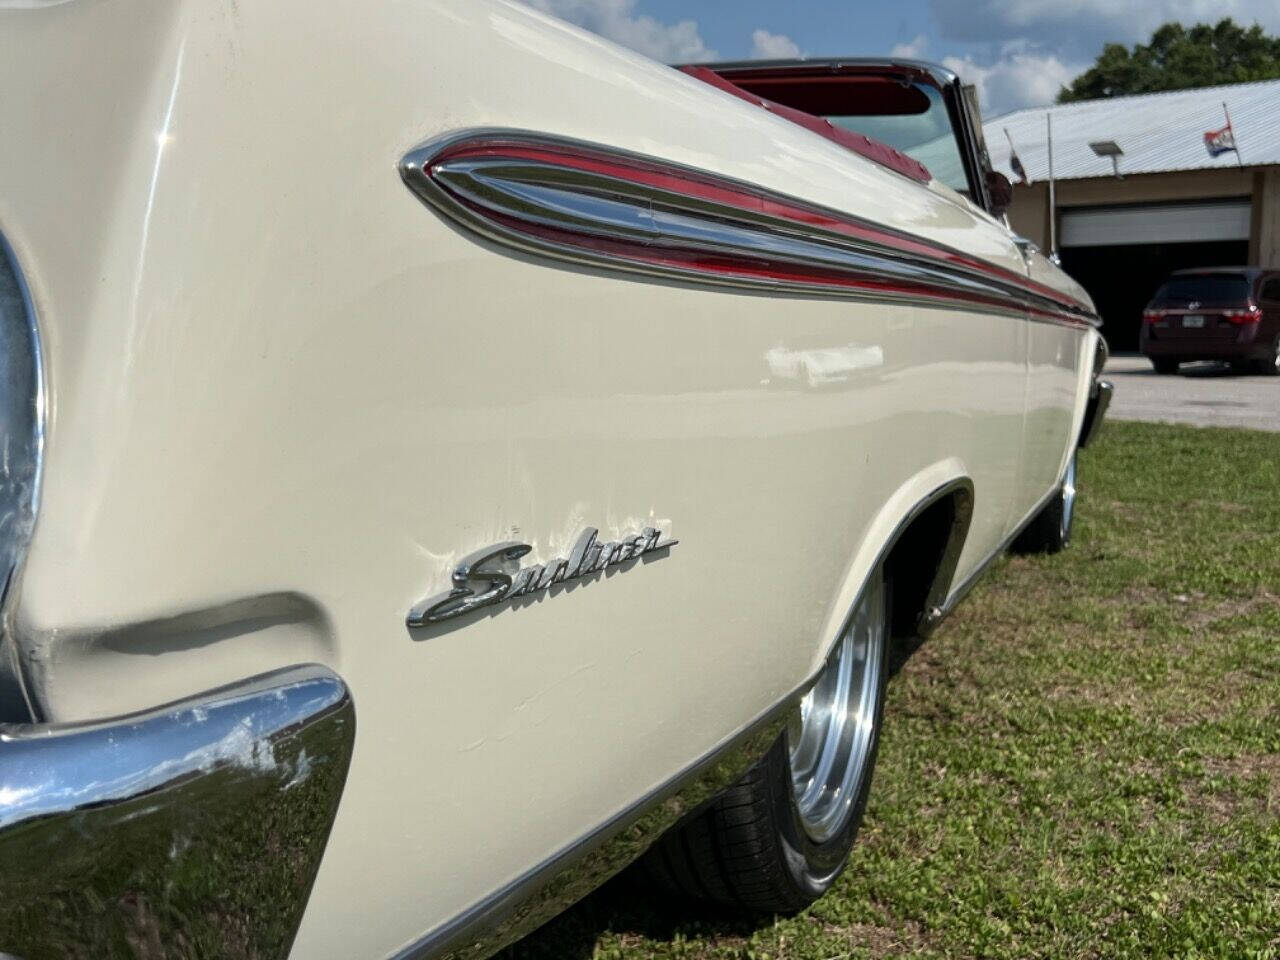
<point>1164,367</point>
<point>778,838</point>
<point>1050,531</point>
<point>1271,365</point>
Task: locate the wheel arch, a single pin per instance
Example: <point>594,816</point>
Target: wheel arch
<point>918,536</point>
<point>921,563</point>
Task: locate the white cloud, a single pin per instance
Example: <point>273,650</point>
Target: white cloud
<point>1021,76</point>
<point>773,46</point>
<point>1024,51</point>
<point>616,20</point>
<point>1017,75</point>
<point>915,50</point>
<point>1084,25</point>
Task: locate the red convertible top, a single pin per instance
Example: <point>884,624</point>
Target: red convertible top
<point>860,144</point>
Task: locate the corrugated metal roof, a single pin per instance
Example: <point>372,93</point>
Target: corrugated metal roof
<point>1156,131</point>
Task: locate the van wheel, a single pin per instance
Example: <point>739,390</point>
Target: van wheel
<point>778,838</point>
<point>1050,531</point>
<point>1165,367</point>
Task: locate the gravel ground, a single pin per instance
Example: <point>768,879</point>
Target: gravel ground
<point>1202,394</point>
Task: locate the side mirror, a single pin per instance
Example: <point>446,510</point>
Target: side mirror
<point>1000,190</point>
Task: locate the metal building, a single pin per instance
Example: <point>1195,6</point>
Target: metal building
<point>1138,192</point>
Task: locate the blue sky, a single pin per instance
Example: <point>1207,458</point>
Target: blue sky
<point>1017,52</point>
<point>818,26</point>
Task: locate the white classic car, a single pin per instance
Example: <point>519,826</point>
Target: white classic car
<point>448,456</point>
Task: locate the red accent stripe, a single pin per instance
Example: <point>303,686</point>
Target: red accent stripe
<point>707,187</point>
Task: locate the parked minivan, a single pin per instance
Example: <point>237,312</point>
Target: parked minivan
<point>1215,313</point>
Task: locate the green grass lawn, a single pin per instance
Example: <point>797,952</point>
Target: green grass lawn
<point>1084,761</point>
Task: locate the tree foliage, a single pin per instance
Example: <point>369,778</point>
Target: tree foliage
<point>1179,57</point>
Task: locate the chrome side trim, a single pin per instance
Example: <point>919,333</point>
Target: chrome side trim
<point>586,214</point>
<point>193,829</point>
<point>22,423</point>
<point>556,884</point>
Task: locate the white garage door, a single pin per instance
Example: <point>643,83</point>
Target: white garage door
<point>1167,223</point>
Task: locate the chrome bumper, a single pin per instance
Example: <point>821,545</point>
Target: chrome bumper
<point>1096,410</point>
<point>1100,392</point>
<point>192,830</point>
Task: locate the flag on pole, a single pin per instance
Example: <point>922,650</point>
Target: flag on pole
<point>1015,164</point>
<point>1218,142</point>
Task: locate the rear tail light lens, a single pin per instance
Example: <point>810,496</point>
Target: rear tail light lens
<point>1152,316</point>
<point>1249,314</point>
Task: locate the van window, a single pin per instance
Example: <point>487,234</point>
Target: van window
<point>1271,289</point>
<point>1206,288</point>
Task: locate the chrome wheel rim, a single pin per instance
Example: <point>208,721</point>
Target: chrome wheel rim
<point>1068,497</point>
<point>832,735</point>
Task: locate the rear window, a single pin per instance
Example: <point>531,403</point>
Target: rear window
<point>1210,288</point>
<point>922,133</point>
<point>911,117</point>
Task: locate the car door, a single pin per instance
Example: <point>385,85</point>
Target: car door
<point>1054,356</point>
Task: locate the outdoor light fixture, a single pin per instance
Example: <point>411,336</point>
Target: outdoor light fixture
<point>1109,148</point>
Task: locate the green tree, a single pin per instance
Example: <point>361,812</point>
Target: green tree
<point>1179,57</point>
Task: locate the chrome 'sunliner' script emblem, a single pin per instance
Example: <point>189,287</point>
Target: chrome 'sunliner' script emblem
<point>477,581</point>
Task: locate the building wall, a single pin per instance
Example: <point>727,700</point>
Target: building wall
<point>1264,243</point>
<point>1029,214</point>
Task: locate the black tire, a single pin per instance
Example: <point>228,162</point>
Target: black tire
<point>1165,367</point>
<point>1270,366</point>
<point>750,849</point>
<point>1050,530</point>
